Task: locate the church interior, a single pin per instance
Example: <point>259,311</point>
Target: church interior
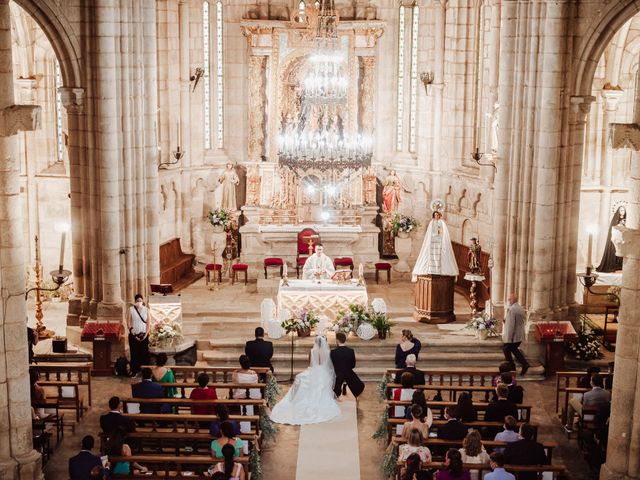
<point>204,197</point>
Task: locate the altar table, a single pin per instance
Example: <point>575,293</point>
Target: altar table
<point>325,298</point>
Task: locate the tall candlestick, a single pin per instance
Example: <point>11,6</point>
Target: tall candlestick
<point>589,264</point>
<point>284,270</point>
<point>360,270</point>
<point>179,134</point>
<point>62,240</point>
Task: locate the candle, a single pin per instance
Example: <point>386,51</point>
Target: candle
<point>589,244</point>
<point>179,136</point>
<point>61,262</point>
<point>284,270</point>
<point>361,270</point>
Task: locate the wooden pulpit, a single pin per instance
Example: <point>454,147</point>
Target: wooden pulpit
<point>102,334</point>
<point>434,299</point>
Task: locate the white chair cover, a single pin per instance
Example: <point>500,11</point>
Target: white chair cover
<point>366,331</point>
<point>273,327</point>
<point>267,311</point>
<point>322,325</point>
<point>378,305</point>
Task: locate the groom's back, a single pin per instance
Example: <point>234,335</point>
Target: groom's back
<point>343,358</point>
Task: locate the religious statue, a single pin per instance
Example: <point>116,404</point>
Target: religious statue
<point>391,193</point>
<point>369,181</point>
<point>474,257</point>
<point>253,186</point>
<point>436,256</point>
<point>610,262</point>
<point>318,266</point>
<point>229,180</point>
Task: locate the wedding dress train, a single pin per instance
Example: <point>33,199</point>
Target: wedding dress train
<point>310,399</point>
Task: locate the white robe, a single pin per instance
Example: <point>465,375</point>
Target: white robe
<point>436,256</point>
<point>316,263</point>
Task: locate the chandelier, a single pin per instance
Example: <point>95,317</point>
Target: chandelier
<point>326,81</point>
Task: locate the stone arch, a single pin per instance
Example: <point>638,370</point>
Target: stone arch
<point>467,231</point>
<point>50,16</point>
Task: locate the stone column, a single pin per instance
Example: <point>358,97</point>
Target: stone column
<point>623,451</point>
<point>108,158</point>
<point>184,190</point>
<point>438,87</point>
<point>367,94</point>
<point>257,86</point>
<point>18,460</point>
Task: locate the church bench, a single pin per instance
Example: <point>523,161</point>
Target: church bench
<point>68,395</point>
<point>452,389</point>
<point>556,470</point>
<point>453,377</point>
<point>190,373</point>
<point>79,372</point>
<point>185,404</point>
<point>56,419</point>
<point>176,267</point>
<point>566,385</point>
<point>184,386</point>
<point>523,410</point>
<point>169,466</point>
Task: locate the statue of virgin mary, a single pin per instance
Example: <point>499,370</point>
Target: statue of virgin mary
<point>436,256</point>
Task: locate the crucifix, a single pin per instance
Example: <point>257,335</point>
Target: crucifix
<point>311,239</point>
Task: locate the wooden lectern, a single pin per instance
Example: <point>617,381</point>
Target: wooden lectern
<point>434,299</point>
<point>102,334</point>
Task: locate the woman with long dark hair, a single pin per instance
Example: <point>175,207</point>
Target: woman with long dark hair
<point>466,410</point>
<point>454,469</point>
<point>232,470</point>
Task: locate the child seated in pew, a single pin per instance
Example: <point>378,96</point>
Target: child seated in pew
<point>231,470</point>
<point>413,469</point>
<point>245,375</point>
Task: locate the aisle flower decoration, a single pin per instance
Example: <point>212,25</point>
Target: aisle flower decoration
<point>403,224</point>
<point>255,463</point>
<point>587,347</point>
<point>349,320</point>
<point>165,332</point>
<point>305,320</point>
<point>220,218</point>
<point>483,324</point>
<point>272,390</point>
<point>382,431</point>
<point>268,429</point>
<point>389,464</point>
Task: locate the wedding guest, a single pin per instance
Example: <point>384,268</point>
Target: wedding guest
<point>509,434</point>
<point>32,340</point>
<point>497,465</point>
<point>418,375</point>
<point>418,422</point>
<point>259,350</point>
<point>513,333</point>
<point>453,429</point>
<point>585,380</point>
<point>413,469</point>
<point>407,346</point>
<point>227,437</point>
<point>116,447</point>
<point>37,392</point>
<point>473,451</point>
<point>414,445</point>
<point>404,393</point>
<point>85,465</point>
<point>418,398</point>
<point>245,375</point>
<point>232,470</point>
<point>454,469</point>
<point>496,411</point>
<point>525,452</point>
<point>504,367</point>
<point>138,326</point>
<point>223,416</point>
<point>516,392</point>
<point>465,409</point>
<point>162,374</point>
<point>593,398</point>
<point>202,392</point>
<point>113,420</point>
<point>147,388</point>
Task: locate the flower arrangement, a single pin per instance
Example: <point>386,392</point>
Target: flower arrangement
<point>403,223</point>
<point>305,320</point>
<point>348,321</point>
<point>381,323</point>
<point>165,332</point>
<point>220,218</point>
<point>272,391</point>
<point>483,323</point>
<point>613,294</point>
<point>587,347</point>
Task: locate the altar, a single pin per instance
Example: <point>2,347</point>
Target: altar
<point>324,298</point>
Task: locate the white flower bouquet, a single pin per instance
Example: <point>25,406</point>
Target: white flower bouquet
<point>165,333</point>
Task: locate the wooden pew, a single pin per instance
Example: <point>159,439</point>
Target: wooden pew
<point>176,267</point>
<point>185,404</point>
<point>452,389</point>
<point>168,466</point>
<point>68,395</point>
<point>523,410</point>
<point>566,386</point>
<point>184,386</point>
<point>453,377</point>
<point>482,469</point>
<point>79,373</point>
<point>56,418</point>
<point>189,374</point>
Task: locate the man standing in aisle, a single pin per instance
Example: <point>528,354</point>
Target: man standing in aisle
<point>513,333</point>
<point>138,325</point>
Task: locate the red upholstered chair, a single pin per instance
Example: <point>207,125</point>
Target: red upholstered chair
<point>239,267</point>
<point>383,266</point>
<point>303,247</point>
<point>216,268</point>
<point>273,262</point>
<point>343,262</point>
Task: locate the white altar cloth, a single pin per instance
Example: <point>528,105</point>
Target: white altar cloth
<point>325,298</point>
<point>320,228</point>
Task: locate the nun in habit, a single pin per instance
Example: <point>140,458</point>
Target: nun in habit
<point>436,256</point>
<point>610,262</point>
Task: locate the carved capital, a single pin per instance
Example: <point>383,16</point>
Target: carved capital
<point>625,135</point>
<point>72,99</point>
<point>582,104</point>
<point>611,98</point>
<point>19,118</point>
<point>627,241</point>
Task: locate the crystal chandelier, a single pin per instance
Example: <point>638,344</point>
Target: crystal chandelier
<point>325,81</point>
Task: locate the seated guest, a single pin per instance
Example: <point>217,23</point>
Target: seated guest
<point>414,445</point>
<point>594,398</point>
<point>407,346</point>
<point>37,392</point>
<point>163,374</point>
<point>418,422</point>
<point>418,398</point>
<point>232,470</point>
<point>223,416</point>
<point>418,375</point>
<point>116,447</point>
<point>585,380</point>
<point>245,375</point>
<point>227,437</point>
<point>85,465</point>
<point>259,350</point>
<point>504,367</point>
<point>413,469</point>
<point>497,465</point>
<point>404,393</point>
<point>111,421</point>
<point>473,451</point>
<point>149,389</point>
<point>509,434</point>
<point>496,411</point>
<point>454,469</point>
<point>516,392</point>
<point>202,392</point>
<point>465,409</point>
<point>453,429</point>
<point>525,452</point>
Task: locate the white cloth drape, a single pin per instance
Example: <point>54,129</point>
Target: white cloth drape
<point>436,256</point>
<point>318,263</point>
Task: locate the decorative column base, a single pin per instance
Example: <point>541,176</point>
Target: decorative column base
<point>27,467</point>
<point>608,474</point>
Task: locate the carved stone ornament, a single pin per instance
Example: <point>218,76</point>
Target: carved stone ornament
<point>626,240</point>
<point>19,118</point>
<point>625,135</point>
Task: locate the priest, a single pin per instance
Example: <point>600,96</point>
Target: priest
<point>318,266</point>
<point>436,256</point>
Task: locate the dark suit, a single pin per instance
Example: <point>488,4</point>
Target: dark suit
<point>418,375</point>
<point>81,465</point>
<point>259,352</point>
<point>525,452</point>
<point>112,421</point>
<point>344,361</point>
<point>452,430</point>
<point>496,411</point>
<point>149,389</point>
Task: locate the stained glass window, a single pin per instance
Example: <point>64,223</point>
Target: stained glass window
<point>400,89</point>
<point>59,136</point>
<point>206,42</point>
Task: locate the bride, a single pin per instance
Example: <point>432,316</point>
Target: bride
<point>310,399</point>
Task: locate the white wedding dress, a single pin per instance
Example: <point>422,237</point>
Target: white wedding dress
<point>310,399</point>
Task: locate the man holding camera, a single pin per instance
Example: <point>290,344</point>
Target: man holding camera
<point>138,325</point>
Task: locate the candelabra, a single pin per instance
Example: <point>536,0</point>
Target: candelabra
<point>177,155</point>
<point>477,156</point>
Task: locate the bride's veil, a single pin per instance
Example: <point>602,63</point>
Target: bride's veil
<point>321,355</point>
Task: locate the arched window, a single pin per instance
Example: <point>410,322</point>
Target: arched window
<point>412,30</point>
<point>213,104</point>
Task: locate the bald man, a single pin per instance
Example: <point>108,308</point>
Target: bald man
<point>513,332</point>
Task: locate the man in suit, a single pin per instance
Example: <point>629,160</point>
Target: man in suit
<point>259,350</point>
<point>418,375</point>
<point>113,420</point>
<point>525,452</point>
<point>496,411</point>
<point>85,465</point>
<point>344,361</point>
<point>596,397</point>
<point>149,389</point>
<point>454,428</point>
<point>513,333</point>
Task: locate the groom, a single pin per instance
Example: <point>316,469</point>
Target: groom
<point>344,361</point>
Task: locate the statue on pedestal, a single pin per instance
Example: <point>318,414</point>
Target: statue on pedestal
<point>229,180</point>
<point>392,192</point>
<point>474,257</point>
<point>436,256</point>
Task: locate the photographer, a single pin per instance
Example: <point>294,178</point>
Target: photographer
<point>138,325</point>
